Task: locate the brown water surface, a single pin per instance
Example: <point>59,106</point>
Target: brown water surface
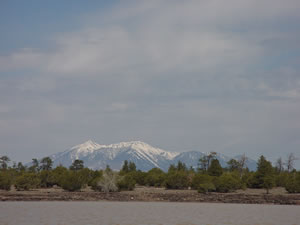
<point>139,213</point>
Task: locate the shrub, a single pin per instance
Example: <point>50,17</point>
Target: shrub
<point>5,181</point>
<point>106,183</point>
<point>281,179</point>
<point>200,179</point>
<point>206,187</point>
<point>72,181</point>
<point>126,183</point>
<point>155,177</point>
<point>86,175</point>
<point>177,180</point>
<point>94,184</point>
<point>227,183</point>
<point>27,181</point>
<point>58,175</point>
<point>139,177</point>
<point>94,176</point>
<point>47,178</point>
<point>293,183</point>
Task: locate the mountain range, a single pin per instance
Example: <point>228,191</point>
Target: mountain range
<point>146,157</point>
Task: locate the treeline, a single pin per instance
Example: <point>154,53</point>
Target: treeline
<point>208,177</point>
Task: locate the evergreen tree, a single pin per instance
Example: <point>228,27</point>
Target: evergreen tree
<point>20,167</point>
<point>264,169</point>
<point>172,168</point>
<point>215,168</point>
<point>125,167</point>
<point>233,165</point>
<point>4,161</point>
<point>205,161</point>
<point>35,166</point>
<point>181,166</point>
<point>268,183</point>
<point>202,165</point>
<point>131,167</point>
<point>77,165</point>
<point>46,163</point>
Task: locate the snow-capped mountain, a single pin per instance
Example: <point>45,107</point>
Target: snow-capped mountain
<point>146,157</point>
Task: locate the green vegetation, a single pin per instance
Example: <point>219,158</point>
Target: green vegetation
<point>126,183</point>
<point>5,181</point>
<point>209,177</point>
<point>227,183</point>
<point>73,181</point>
<point>155,177</point>
<point>27,181</point>
<point>293,183</point>
<point>215,168</point>
<point>206,187</point>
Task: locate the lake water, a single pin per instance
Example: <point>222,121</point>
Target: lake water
<point>138,213</point>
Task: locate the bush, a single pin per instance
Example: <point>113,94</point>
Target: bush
<point>200,179</point>
<point>227,183</point>
<point>86,175</point>
<point>95,175</point>
<point>94,184</point>
<point>155,177</point>
<point>293,183</point>
<point>139,177</point>
<point>106,183</point>
<point>58,175</point>
<point>72,181</point>
<point>126,183</point>
<point>206,187</point>
<point>5,181</point>
<point>27,181</point>
<point>281,179</point>
<point>177,180</point>
<point>47,178</point>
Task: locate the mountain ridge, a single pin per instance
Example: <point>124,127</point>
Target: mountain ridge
<point>145,156</point>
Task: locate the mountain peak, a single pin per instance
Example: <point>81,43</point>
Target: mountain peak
<point>134,143</point>
<point>145,156</point>
<point>88,146</point>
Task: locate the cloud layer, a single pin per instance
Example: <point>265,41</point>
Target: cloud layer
<point>192,75</point>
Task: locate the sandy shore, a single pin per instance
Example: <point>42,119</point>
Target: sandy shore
<point>147,194</point>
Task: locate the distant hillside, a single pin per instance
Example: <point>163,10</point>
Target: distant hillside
<point>146,157</point>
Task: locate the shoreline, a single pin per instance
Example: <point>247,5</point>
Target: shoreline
<point>149,194</point>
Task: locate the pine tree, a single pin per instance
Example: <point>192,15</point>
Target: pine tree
<point>125,167</point>
<point>264,176</point>
<point>46,163</point>
<point>77,165</point>
<point>215,168</point>
<point>131,167</point>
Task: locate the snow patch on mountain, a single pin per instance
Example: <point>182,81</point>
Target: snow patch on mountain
<point>96,156</point>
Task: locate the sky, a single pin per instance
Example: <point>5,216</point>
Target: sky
<point>203,75</point>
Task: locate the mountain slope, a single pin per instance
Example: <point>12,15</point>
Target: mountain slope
<point>145,157</point>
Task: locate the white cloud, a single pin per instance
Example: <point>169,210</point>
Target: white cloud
<point>24,59</point>
<point>181,73</point>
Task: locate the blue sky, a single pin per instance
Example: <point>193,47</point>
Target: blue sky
<point>179,75</point>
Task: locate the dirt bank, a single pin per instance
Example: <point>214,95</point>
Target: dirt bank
<point>146,194</point>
